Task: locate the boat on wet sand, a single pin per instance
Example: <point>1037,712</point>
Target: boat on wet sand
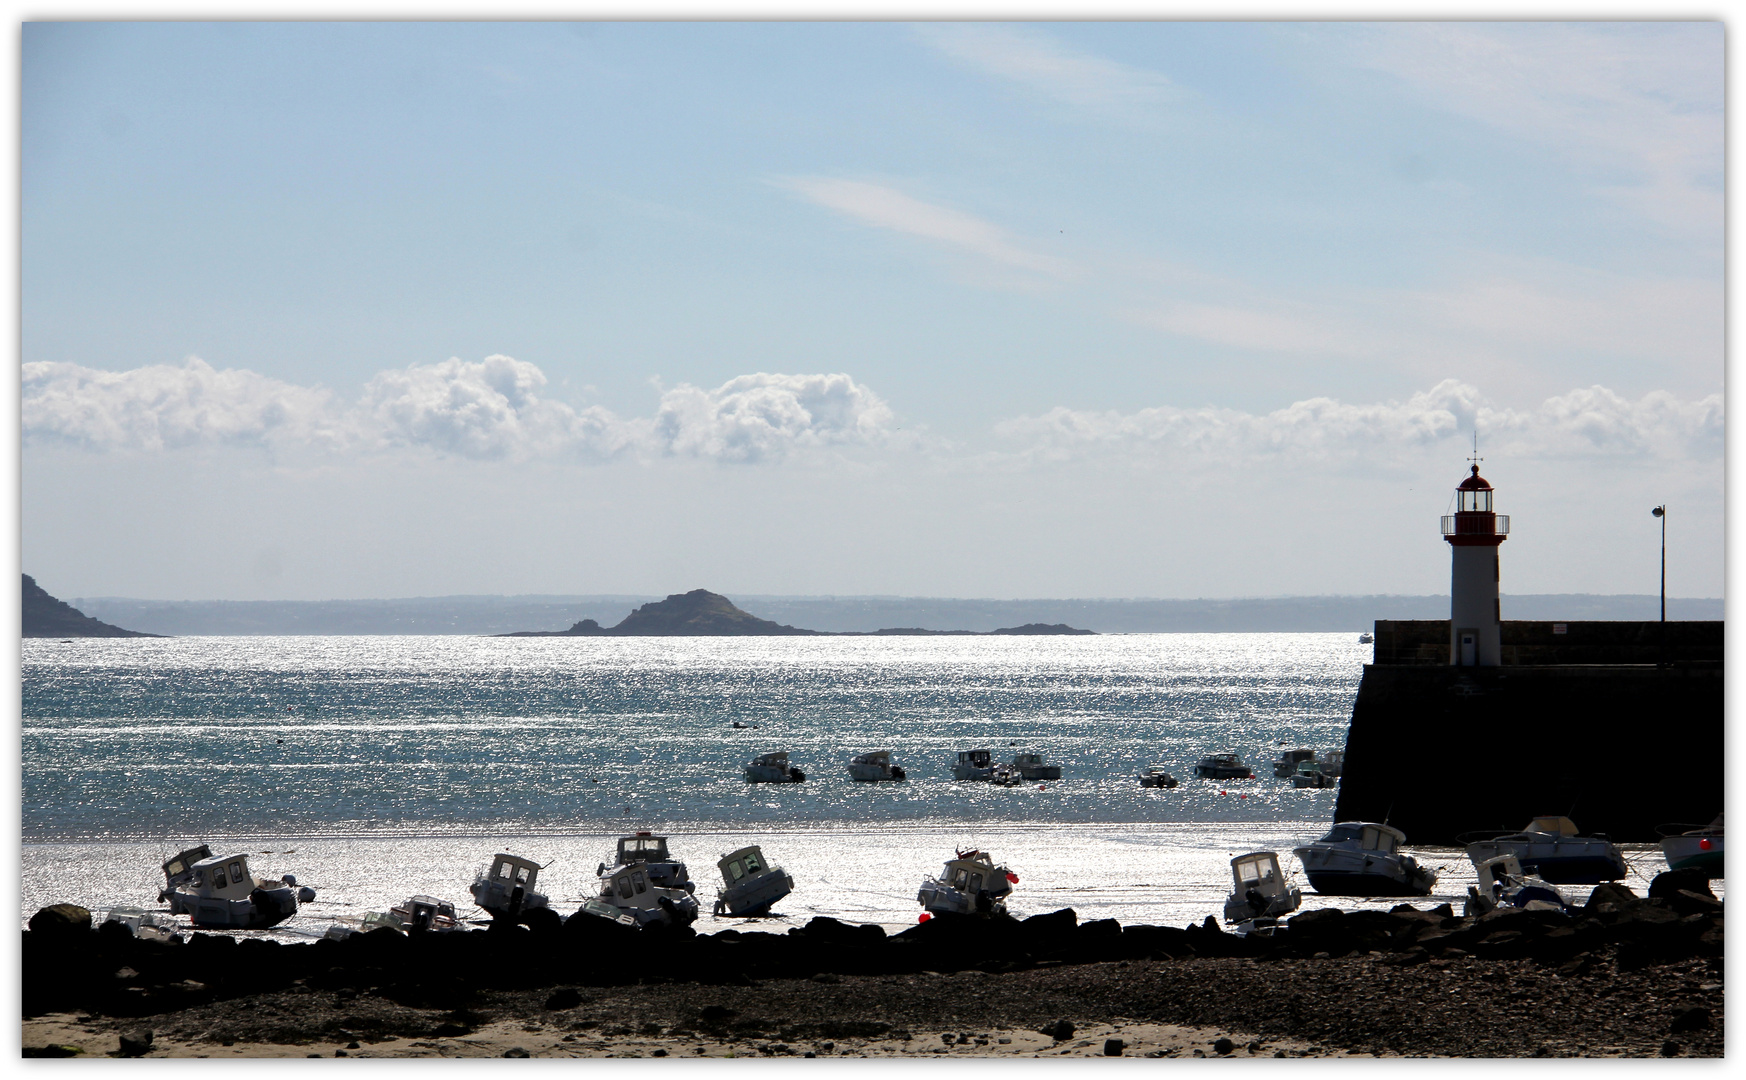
<point>970,884</point>
<point>1693,847</point>
<point>1259,890</point>
<point>749,884</point>
<point>1551,848</point>
<point>1504,883</point>
<point>874,766</point>
<point>1363,858</point>
<point>220,892</point>
<point>506,890</point>
<point>627,896</point>
<point>650,851</point>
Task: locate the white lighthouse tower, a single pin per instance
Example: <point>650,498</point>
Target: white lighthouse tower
<point>1474,533</point>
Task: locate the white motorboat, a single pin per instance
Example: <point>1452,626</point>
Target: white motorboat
<point>1031,767</point>
<point>650,851</point>
<point>220,892</point>
<point>749,884</point>
<point>980,765</point>
<point>874,766</point>
<point>1693,847</point>
<point>1362,858</point>
<point>1333,762</point>
<point>1157,777</point>
<point>422,912</point>
<point>1223,766</point>
<point>507,890</point>
<point>772,769</point>
<point>626,891</point>
<point>1503,883</point>
<point>1259,890</point>
<point>1289,761</point>
<point>1551,848</point>
<point>144,925</point>
<point>970,884</point>
<point>1309,774</point>
<point>1366,639</point>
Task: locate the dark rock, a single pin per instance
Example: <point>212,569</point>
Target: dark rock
<point>1113,1047</point>
<point>53,1050</point>
<point>1222,1046</point>
<point>60,920</point>
<point>1607,892</point>
<point>136,1043</point>
<point>515,1052</point>
<point>1668,883</point>
<point>1694,1019</point>
<point>1669,1049</point>
<point>567,998</point>
<point>716,1014</point>
<point>1060,1030</point>
<point>450,1030</point>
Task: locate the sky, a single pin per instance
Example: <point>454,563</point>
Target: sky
<point>1199,309</point>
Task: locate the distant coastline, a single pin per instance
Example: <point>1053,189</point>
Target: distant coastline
<point>475,615</point>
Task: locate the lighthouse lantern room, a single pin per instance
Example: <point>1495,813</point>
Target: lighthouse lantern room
<point>1474,533</point>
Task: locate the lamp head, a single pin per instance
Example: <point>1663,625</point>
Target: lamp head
<point>1659,511</point>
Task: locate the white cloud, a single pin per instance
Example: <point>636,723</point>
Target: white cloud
<point>489,410</point>
<point>1589,422</point>
<point>162,406</point>
<point>1045,66</point>
<point>887,208</point>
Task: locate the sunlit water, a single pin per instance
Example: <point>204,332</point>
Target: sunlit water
<point>376,767</point>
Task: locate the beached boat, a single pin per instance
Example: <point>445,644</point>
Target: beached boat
<point>1157,777</point>
<point>874,766</point>
<point>1309,774</point>
<point>144,925</point>
<point>1289,761</point>
<point>772,769</point>
<point>971,884</point>
<point>627,896</point>
<point>1031,767</point>
<point>179,868</point>
<point>1693,847</point>
<point>1362,858</point>
<point>507,890</point>
<point>1504,883</point>
<point>344,926</point>
<point>422,912</point>
<point>1259,890</point>
<point>220,892</point>
<point>1551,848</point>
<point>1223,766</point>
<point>650,851</point>
<point>749,884</point>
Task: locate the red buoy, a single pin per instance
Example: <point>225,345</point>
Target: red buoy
<point>924,917</point>
<point>1703,845</point>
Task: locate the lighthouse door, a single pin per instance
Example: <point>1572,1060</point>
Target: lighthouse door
<point>1469,648</point>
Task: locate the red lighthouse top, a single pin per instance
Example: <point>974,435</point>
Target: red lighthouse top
<point>1473,521</point>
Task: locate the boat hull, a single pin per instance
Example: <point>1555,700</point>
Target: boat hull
<point>1358,883</point>
<point>262,909</point>
<point>875,773</point>
<point>1687,853</point>
<point>754,896</point>
<point>1220,772</point>
<point>770,774</point>
<point>1585,862</point>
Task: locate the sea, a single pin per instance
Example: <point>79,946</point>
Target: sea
<point>373,768</point>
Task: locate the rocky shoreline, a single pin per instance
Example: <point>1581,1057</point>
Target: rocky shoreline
<point>1623,976</point>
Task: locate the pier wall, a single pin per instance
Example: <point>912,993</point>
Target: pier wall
<point>1439,750</point>
<point>1527,642</point>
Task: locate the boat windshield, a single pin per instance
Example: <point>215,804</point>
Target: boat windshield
<point>642,849</point>
<point>1341,833</point>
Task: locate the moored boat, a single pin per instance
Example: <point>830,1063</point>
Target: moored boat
<point>1289,760</point>
<point>970,884</point>
<point>506,890</point>
<point>1223,766</point>
<point>1157,777</point>
<point>1309,774</point>
<point>1259,890</point>
<point>1693,847</point>
<point>973,765</point>
<point>749,884</point>
<point>772,769</point>
<point>1551,848</point>
<point>874,766</point>
<point>1363,858</point>
<point>221,892</point>
<point>1031,767</point>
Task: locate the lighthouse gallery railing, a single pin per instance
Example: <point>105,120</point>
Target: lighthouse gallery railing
<point>1476,524</point>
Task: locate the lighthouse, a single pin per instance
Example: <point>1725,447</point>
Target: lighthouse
<point>1474,533</point>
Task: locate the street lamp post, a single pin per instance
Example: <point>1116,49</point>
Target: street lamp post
<point>1661,512</point>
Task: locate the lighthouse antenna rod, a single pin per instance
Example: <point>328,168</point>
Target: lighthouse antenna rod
<point>1661,512</point>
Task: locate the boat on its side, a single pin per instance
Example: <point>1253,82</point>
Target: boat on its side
<point>1157,777</point>
<point>144,925</point>
<point>1503,882</point>
<point>1363,858</point>
<point>750,885</point>
<point>506,890</point>
<point>874,767</point>
<point>1693,847</point>
<point>222,893</point>
<point>772,769</point>
<point>627,896</point>
<point>1551,848</point>
<point>1259,891</point>
<point>1223,766</point>
<point>970,884</point>
<point>1031,767</point>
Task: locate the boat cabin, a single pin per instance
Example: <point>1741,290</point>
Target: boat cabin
<point>1258,870</point>
<point>512,871</point>
<point>225,877</point>
<point>973,871</point>
<point>1022,760</point>
<point>872,757</point>
<point>425,913</point>
<point>643,847</point>
<point>981,759</point>
<point>739,865</point>
<point>1369,836</point>
<point>778,760</point>
<point>626,884</point>
<point>1295,756</point>
<point>1556,824</point>
<point>1225,760</point>
<point>1493,873</point>
<point>181,867</point>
